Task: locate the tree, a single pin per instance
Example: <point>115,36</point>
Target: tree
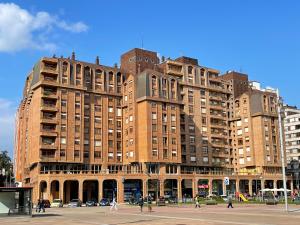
<point>5,165</point>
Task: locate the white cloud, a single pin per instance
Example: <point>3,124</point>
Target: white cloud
<point>19,29</point>
<point>7,124</point>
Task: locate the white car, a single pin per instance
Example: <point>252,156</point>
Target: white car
<point>57,203</point>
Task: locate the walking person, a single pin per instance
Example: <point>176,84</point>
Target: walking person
<point>141,203</point>
<point>114,204</point>
<point>37,206</point>
<point>197,202</point>
<point>229,202</point>
<point>149,203</point>
<point>42,206</point>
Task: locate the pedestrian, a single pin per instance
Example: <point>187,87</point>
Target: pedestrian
<point>37,205</point>
<point>141,203</point>
<point>149,203</point>
<point>114,204</point>
<point>229,202</point>
<point>197,202</point>
<point>42,206</point>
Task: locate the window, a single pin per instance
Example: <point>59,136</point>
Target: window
<point>110,109</point>
<point>97,154</point>
<point>77,141</point>
<point>63,127</point>
<point>173,129</point>
<point>63,140</point>
<point>97,143</point>
<point>154,152</point>
<point>246,129</point>
<point>193,159</point>
<point>173,118</point>
<point>204,149</point>
<point>239,123</point>
<point>205,159</point>
<point>154,116</point>
<point>239,132</point>
<point>154,140</point>
<point>119,112</point>
<point>97,120</point>
<point>248,159</point>
<point>242,161</point>
<point>130,118</point>
<point>241,151</point>
<point>173,141</point>
<point>247,149</point>
<point>154,127</point>
<point>192,139</point>
<point>97,131</point>
<point>63,116</point>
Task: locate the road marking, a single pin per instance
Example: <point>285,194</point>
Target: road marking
<point>195,219</point>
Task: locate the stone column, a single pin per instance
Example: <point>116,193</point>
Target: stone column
<point>237,185</point>
<point>275,186</point>
<point>100,190</point>
<point>161,187</point>
<point>224,188</point>
<point>61,190</point>
<point>179,190</point>
<point>210,186</point>
<point>195,187</point>
<point>48,193</point>
<point>292,185</point>
<point>120,191</point>
<point>250,188</point>
<point>80,189</point>
<point>145,187</point>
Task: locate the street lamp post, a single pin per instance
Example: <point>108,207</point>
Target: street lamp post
<point>281,150</point>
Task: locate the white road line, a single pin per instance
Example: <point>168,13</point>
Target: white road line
<point>195,219</point>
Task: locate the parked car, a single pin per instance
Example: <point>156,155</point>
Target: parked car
<point>46,203</point>
<point>172,200</point>
<point>75,203</point>
<point>57,203</point>
<point>161,201</point>
<point>104,202</point>
<point>90,203</point>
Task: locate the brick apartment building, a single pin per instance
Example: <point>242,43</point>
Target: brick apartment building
<point>163,127</point>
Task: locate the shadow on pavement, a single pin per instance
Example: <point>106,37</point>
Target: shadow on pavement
<point>45,215</point>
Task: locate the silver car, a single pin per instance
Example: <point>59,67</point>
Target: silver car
<point>75,203</point>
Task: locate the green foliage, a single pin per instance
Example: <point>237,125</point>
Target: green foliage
<point>5,161</point>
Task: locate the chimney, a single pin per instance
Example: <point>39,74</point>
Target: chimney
<point>116,65</point>
<point>73,55</point>
<point>97,60</point>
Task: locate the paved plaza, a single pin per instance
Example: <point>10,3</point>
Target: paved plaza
<point>183,215</point>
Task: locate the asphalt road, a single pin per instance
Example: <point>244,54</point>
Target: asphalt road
<point>183,215</point>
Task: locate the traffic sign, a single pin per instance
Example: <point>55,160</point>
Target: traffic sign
<point>226,180</point>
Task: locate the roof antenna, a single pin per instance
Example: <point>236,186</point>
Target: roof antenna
<point>142,40</point>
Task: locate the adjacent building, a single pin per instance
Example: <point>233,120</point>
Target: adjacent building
<point>169,127</point>
<point>292,141</point>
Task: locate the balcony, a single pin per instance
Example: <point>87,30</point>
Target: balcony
<point>49,67</point>
<point>47,146</point>
<point>49,120</point>
<point>174,68</point>
<point>49,107</point>
<point>49,94</point>
<point>216,106</point>
<point>50,132</point>
<point>49,80</point>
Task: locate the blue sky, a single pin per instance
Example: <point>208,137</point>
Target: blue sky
<point>261,38</point>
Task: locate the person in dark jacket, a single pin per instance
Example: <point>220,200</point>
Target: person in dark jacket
<point>141,203</point>
<point>229,202</point>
